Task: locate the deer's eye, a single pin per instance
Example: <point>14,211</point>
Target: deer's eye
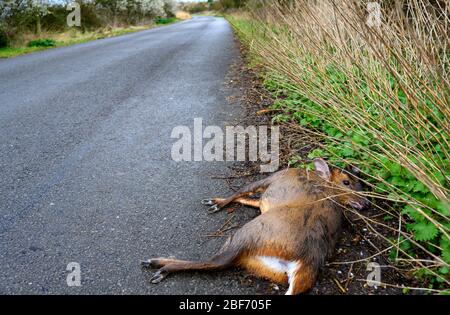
<point>346,182</point>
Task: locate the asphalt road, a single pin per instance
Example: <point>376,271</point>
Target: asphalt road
<point>86,173</point>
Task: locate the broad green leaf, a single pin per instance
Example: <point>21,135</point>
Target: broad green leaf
<point>424,231</point>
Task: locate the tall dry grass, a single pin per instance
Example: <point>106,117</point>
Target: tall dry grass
<point>182,15</point>
<point>377,95</point>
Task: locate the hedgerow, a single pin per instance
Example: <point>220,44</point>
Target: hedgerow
<point>373,96</point>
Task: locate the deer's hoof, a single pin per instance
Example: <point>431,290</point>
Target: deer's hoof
<point>208,202</point>
<point>149,263</point>
<point>214,209</point>
<point>159,276</point>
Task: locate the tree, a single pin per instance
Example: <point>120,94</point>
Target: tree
<point>153,8</point>
<point>134,10</point>
<point>114,7</point>
<point>21,12</point>
<point>169,8</point>
<point>37,9</point>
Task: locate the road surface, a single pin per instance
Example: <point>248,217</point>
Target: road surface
<point>86,174</point>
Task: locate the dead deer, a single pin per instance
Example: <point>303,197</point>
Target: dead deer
<point>295,233</point>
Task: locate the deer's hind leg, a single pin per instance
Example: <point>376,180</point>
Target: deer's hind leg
<point>256,266</point>
<point>301,279</point>
<point>298,276</point>
<point>165,266</point>
<point>255,203</point>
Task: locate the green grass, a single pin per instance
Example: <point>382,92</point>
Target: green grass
<point>163,21</point>
<point>10,52</point>
<point>42,43</point>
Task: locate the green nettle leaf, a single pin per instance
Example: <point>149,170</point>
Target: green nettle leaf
<point>440,178</point>
<point>294,159</point>
<point>443,270</point>
<point>405,245</point>
<point>397,181</point>
<point>413,213</point>
<point>385,161</point>
<point>392,254</point>
<point>385,175</point>
<point>280,118</point>
<point>347,152</point>
<point>419,187</point>
<point>409,175</point>
<point>430,200</point>
<point>316,123</point>
<point>316,153</point>
<point>409,185</point>
<point>360,139</point>
<point>445,245</point>
<point>304,122</point>
<point>424,231</point>
<point>298,116</point>
<point>330,131</point>
<point>443,208</point>
<point>395,169</point>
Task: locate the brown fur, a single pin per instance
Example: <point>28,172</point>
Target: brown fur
<point>299,222</point>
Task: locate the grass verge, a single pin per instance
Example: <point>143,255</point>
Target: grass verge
<point>72,37</point>
<point>372,96</point>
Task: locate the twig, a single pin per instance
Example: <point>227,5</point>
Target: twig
<point>339,285</point>
<point>360,260</point>
<point>349,277</point>
<point>402,287</point>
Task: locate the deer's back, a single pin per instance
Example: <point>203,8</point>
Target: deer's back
<point>291,189</point>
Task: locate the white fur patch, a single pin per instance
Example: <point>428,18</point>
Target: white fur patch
<point>281,265</point>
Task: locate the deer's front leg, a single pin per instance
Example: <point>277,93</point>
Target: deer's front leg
<point>242,195</point>
<point>218,204</point>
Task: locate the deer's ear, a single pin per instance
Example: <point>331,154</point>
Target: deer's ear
<point>322,168</point>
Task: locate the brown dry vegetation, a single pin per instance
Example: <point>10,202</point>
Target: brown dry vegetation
<point>182,15</point>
